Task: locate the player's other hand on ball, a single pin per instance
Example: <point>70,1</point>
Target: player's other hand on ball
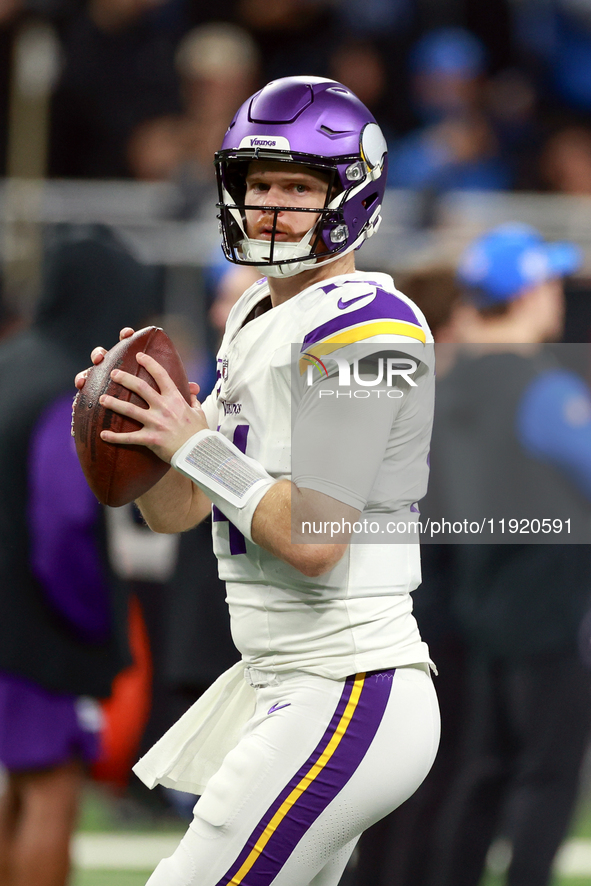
<point>169,420</point>
<point>97,356</point>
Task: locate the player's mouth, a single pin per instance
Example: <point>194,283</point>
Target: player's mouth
<point>267,232</point>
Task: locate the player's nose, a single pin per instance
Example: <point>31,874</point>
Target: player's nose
<point>274,197</point>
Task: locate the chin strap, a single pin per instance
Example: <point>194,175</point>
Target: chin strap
<point>296,253</point>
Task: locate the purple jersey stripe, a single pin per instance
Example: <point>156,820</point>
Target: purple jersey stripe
<point>385,306</point>
<point>235,537</point>
<point>237,540</point>
<point>319,792</point>
<point>240,437</point>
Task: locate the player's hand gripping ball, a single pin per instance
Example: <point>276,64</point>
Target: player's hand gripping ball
<point>118,473</point>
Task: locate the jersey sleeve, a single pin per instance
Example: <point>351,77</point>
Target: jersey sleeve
<point>553,423</point>
<point>366,318</point>
<point>339,442</point>
<point>355,371</point>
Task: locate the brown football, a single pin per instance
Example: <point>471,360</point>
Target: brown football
<point>118,474</point>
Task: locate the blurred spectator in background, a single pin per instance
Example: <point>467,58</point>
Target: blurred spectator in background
<point>218,68</point>
<point>63,616</point>
<point>555,42</point>
<point>9,14</point>
<point>118,71</point>
<point>512,435</point>
<point>218,65</point>
<point>155,150</point>
<point>398,850</point>
<point>565,162</point>
<point>456,147</point>
<point>448,67</point>
<point>294,36</point>
<point>360,65</point>
<point>369,56</point>
<point>513,107</point>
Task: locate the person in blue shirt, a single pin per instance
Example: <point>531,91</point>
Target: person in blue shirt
<point>515,285</point>
<point>456,146</point>
<point>512,436</point>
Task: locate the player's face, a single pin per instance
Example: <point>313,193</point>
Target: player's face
<point>279,184</point>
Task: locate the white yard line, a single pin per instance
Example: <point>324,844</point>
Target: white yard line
<point>122,852</point>
<point>142,852</point>
<point>574,859</point>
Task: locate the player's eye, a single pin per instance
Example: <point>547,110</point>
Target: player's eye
<point>301,189</point>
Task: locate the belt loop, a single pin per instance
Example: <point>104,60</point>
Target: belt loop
<point>260,679</point>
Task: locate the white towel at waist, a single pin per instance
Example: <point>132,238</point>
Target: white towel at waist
<point>193,749</point>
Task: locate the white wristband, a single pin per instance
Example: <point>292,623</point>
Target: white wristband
<point>233,481</point>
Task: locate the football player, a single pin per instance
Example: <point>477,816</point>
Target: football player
<point>313,450</point>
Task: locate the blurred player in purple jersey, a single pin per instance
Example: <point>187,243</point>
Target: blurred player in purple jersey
<point>63,614</point>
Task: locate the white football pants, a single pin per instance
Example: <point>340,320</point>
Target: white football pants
<point>318,763</point>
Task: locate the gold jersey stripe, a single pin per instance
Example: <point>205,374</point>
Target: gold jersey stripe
<point>377,327</point>
<point>359,333</point>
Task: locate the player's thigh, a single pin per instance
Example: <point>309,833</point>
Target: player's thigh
<point>289,723</point>
<point>403,750</point>
<point>320,762</point>
<point>392,768</point>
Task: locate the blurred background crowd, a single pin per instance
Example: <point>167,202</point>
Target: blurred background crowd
<point>110,113</point>
<point>487,97</point>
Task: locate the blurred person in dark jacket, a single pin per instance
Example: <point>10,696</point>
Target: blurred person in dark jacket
<point>397,850</point>
<point>512,446</point>
<point>118,71</point>
<point>63,616</point>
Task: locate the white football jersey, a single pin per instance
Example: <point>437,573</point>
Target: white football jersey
<point>358,616</point>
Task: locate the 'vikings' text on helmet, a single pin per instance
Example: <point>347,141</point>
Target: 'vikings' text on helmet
<point>322,125</point>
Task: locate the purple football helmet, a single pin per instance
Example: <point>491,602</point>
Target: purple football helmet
<point>320,124</point>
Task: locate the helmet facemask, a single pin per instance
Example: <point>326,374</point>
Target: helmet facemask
<point>325,240</point>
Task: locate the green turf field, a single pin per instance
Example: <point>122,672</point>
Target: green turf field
<point>101,815</point>
<point>489,880</point>
<point>110,878</point>
<point>135,878</point>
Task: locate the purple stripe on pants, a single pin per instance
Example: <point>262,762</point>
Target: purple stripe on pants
<point>319,793</point>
